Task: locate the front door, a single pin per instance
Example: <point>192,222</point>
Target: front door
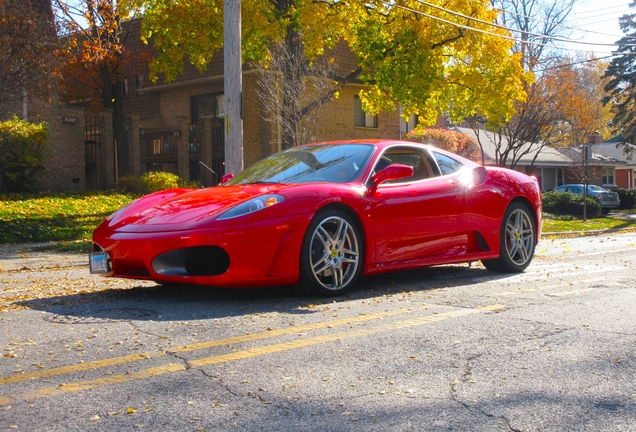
<point>416,220</point>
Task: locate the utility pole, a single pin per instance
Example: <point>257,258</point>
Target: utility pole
<point>586,153</point>
<point>233,82</point>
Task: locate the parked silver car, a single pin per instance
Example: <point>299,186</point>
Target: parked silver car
<point>608,199</point>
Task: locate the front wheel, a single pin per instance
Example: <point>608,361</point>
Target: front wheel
<point>331,255</point>
<point>517,241</point>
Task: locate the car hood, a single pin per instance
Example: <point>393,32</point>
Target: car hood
<point>184,208</point>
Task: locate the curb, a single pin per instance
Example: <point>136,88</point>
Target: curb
<point>587,233</point>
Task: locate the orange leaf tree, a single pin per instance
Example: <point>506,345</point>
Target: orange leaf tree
<point>94,36</point>
<point>27,55</point>
<point>539,119</point>
<point>450,140</point>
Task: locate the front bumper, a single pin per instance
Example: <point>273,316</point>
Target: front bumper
<point>257,254</point>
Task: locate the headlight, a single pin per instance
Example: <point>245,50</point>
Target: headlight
<point>255,204</point>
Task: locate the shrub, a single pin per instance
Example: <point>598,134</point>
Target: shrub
<point>189,183</point>
<point>627,197</point>
<point>155,181</point>
<point>22,153</point>
<point>449,140</point>
<point>560,203</point>
<point>130,184</point>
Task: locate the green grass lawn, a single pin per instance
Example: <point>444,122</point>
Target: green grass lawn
<point>564,224</point>
<point>66,221</point>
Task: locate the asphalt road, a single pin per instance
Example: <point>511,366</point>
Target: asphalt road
<point>445,348</point>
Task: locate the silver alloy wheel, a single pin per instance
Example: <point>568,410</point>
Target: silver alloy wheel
<point>334,253</point>
<point>519,237</point>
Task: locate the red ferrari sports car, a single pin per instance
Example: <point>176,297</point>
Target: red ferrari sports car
<point>320,215</point>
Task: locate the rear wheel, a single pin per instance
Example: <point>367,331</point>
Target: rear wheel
<point>331,255</point>
<point>517,241</point>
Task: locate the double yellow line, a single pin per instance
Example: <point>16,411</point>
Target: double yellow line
<point>223,358</point>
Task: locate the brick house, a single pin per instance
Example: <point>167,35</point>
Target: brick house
<point>173,126</point>
<point>177,127</point>
<point>179,123</point>
<point>64,167</point>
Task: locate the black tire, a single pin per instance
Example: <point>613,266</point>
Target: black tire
<point>517,241</point>
<point>331,257</point>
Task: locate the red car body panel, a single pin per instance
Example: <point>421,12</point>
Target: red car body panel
<point>439,220</point>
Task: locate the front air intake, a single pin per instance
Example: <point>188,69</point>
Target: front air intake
<point>207,261</point>
<point>193,261</point>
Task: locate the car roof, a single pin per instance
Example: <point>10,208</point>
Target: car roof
<point>382,144</point>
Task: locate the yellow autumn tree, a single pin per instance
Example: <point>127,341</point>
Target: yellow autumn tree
<point>429,57</point>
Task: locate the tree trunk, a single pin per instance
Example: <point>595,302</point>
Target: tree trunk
<point>113,99</point>
<point>292,84</point>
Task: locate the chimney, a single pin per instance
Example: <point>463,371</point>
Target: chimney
<point>595,138</point>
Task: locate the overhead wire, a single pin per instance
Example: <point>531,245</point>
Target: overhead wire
<point>508,12</point>
<point>418,12</point>
<point>573,63</point>
<point>555,38</point>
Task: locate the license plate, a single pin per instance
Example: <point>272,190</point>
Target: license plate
<point>98,262</point>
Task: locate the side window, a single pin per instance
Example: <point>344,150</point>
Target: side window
<point>447,165</point>
<point>421,166</point>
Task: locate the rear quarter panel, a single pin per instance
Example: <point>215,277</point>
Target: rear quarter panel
<point>486,204</point>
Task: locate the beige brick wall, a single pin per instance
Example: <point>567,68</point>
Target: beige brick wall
<point>337,120</point>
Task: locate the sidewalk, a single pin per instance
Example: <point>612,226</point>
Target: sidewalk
<point>19,257</point>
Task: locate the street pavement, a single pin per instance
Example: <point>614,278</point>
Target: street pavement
<point>449,348</point>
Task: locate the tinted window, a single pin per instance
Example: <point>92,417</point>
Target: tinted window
<point>447,165</point>
<point>335,163</point>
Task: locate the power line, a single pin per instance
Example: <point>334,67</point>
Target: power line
<point>554,38</point>
<point>574,63</point>
<point>563,25</point>
<point>417,12</point>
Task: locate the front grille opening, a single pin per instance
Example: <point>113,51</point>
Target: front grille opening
<point>207,261</point>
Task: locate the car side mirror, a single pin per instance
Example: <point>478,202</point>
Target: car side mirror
<point>226,178</point>
<point>392,172</point>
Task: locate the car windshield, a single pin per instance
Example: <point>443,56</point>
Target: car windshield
<point>334,163</point>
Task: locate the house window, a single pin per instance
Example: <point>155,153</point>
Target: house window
<point>139,84</point>
<point>362,118</point>
<point>407,126</point>
<point>608,176</point>
<point>206,106</point>
<point>559,177</point>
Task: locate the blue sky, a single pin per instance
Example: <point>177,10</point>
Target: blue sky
<point>593,17</point>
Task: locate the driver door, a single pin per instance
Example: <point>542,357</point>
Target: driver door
<point>415,218</point>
